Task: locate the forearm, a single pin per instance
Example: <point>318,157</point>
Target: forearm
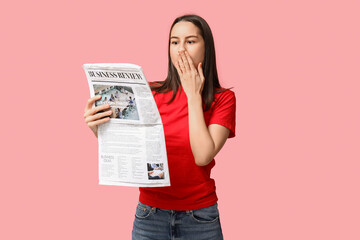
<point>201,142</point>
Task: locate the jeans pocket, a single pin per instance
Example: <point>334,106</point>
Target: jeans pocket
<point>144,211</point>
<point>206,215</point>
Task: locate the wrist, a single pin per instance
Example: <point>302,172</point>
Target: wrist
<point>195,99</point>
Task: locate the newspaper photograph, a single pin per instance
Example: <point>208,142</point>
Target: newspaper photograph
<point>132,149</point>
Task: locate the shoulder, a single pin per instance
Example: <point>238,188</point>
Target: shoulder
<point>224,92</point>
<point>223,110</point>
<point>155,87</point>
<point>155,84</point>
<point>224,95</point>
<point>160,95</point>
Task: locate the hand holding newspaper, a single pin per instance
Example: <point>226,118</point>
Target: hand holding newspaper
<point>132,148</point>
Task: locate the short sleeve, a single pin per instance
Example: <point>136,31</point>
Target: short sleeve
<point>224,109</point>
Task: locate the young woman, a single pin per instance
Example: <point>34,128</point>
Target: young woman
<point>198,116</point>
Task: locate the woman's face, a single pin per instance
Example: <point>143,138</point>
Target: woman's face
<point>186,36</point>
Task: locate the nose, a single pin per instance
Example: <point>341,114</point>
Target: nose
<point>181,47</point>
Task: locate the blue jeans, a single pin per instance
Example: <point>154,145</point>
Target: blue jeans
<point>161,224</point>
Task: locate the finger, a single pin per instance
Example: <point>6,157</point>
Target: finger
<point>95,123</point>
<point>191,63</point>
<point>91,101</point>
<point>94,110</point>
<point>201,73</point>
<point>178,68</point>
<point>200,70</point>
<point>97,116</point>
<point>185,61</point>
<point>181,65</point>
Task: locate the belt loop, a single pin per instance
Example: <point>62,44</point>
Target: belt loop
<point>154,209</point>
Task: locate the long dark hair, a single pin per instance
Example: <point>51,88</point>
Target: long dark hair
<point>211,85</point>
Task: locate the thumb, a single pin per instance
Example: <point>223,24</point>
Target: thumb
<point>201,73</point>
<point>200,70</point>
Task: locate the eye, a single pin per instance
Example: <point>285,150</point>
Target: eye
<point>191,42</point>
<point>174,42</point>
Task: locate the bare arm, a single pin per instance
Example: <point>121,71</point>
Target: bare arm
<point>205,141</point>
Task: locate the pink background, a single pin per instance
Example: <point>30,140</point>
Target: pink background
<point>293,170</point>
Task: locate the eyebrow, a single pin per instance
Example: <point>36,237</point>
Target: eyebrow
<point>186,37</point>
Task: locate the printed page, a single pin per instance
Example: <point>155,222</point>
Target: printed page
<point>132,149</point>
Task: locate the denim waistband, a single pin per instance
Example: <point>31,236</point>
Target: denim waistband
<point>167,210</point>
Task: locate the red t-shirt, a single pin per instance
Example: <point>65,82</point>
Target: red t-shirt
<point>191,185</point>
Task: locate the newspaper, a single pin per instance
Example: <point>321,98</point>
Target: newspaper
<point>132,148</point>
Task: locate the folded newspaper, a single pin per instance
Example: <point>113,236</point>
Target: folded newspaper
<point>132,148</point>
